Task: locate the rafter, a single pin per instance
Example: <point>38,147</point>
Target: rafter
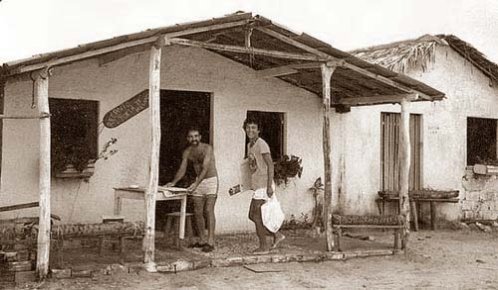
<point>113,48</point>
<point>245,50</point>
<point>377,100</point>
<point>322,54</point>
<point>287,69</point>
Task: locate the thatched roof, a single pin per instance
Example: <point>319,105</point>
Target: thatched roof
<point>354,78</point>
<point>403,55</point>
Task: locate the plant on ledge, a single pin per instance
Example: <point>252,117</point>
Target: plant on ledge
<point>76,155</point>
<point>286,168</point>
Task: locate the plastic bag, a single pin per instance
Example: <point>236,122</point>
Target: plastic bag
<point>272,214</point>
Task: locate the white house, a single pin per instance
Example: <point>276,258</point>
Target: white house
<point>448,137</point>
<point>213,73</point>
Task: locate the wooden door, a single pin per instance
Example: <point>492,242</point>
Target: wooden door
<point>390,123</point>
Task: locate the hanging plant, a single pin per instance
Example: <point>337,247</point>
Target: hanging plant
<point>287,168</point>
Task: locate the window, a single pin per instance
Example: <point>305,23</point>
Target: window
<point>481,140</point>
<point>272,131</point>
<point>74,131</point>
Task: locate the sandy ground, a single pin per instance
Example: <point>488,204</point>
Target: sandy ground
<point>442,259</point>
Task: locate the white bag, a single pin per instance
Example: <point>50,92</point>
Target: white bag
<point>272,214</point>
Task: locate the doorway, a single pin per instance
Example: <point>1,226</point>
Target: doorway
<point>180,110</point>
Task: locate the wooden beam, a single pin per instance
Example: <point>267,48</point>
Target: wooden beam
<point>244,50</point>
<point>276,72</point>
<point>25,117</point>
<point>324,55</point>
<point>19,206</point>
<point>327,72</point>
<point>287,69</point>
<point>43,254</point>
<point>404,167</point>
<point>96,52</point>
<point>377,100</point>
<point>155,130</point>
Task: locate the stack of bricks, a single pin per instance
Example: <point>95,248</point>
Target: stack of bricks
<point>480,198</point>
<point>17,266</point>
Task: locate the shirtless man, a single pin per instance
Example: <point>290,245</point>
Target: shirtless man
<point>205,188</point>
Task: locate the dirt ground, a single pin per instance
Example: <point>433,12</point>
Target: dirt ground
<point>441,259</point>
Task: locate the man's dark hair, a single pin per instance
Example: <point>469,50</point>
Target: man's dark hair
<point>193,128</point>
<point>252,120</point>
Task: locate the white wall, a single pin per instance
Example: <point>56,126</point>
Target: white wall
<point>468,93</point>
<point>235,89</point>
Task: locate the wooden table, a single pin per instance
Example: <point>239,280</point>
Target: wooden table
<point>121,193</point>
<point>415,204</point>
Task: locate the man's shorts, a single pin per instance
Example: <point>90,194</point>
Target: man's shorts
<point>208,186</point>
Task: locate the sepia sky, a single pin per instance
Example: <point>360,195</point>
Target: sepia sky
<point>29,27</point>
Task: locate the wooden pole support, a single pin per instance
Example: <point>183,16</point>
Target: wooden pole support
<point>404,167</point>
<point>41,91</point>
<point>155,129</point>
<point>327,72</point>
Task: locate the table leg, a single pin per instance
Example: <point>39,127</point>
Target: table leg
<point>378,202</point>
<point>413,208</point>
<point>117,204</point>
<point>419,211</point>
<point>183,211</point>
<point>433,215</point>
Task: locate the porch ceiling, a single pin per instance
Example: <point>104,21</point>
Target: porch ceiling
<point>298,62</point>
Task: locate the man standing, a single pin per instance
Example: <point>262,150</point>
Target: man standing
<point>205,188</point>
<point>261,165</point>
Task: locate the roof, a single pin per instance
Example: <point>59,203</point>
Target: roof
<point>403,55</point>
<point>256,42</point>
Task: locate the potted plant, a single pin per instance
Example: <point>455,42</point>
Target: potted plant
<point>73,160</point>
<point>286,168</point>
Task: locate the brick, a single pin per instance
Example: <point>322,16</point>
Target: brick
<point>250,259</point>
<point>279,258</point>
<point>263,259</point>
<point>10,256</point>
<point>25,276</point>
<point>20,266</point>
<point>220,262</point>
<point>201,264</point>
<point>22,255</point>
<point>7,276</point>
<point>60,273</point>
<point>177,266</point>
<point>335,256</point>
<point>235,261</point>
<point>81,273</point>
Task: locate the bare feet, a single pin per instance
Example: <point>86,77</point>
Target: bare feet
<point>278,238</point>
<point>261,251</point>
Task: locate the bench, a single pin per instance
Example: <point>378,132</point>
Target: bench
<point>416,197</point>
<point>101,231</point>
<point>394,222</point>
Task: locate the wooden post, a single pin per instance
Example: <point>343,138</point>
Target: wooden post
<point>327,72</point>
<point>155,127</point>
<point>404,168</point>
<point>43,254</point>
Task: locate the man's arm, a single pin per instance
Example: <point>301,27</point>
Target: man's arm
<point>269,165</point>
<point>205,167</point>
<point>181,171</point>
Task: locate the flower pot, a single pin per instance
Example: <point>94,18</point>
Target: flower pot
<point>71,172</point>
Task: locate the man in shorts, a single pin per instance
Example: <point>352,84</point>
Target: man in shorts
<point>205,188</point>
<point>261,165</point>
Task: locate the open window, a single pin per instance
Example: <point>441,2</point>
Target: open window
<point>272,131</point>
<point>481,141</point>
<point>74,131</point>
